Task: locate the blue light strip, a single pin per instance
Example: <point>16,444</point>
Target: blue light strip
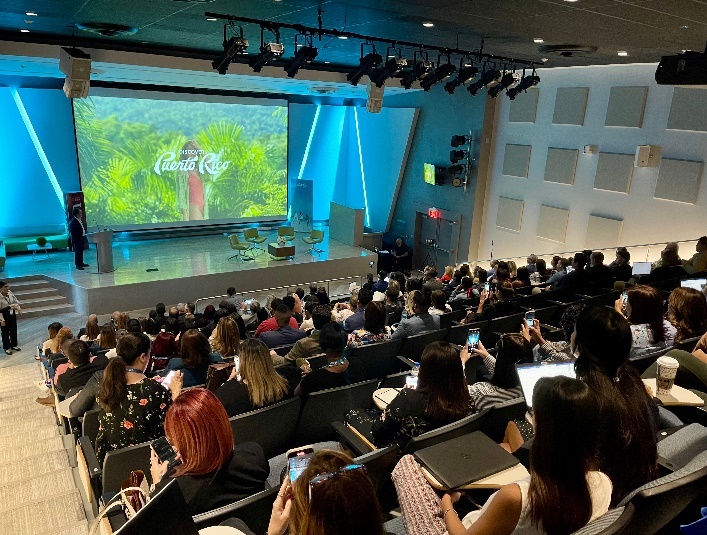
<point>309,142</point>
<point>360,161</point>
<point>37,144</point>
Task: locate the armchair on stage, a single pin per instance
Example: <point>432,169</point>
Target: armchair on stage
<point>316,237</point>
<point>286,232</point>
<point>242,249</point>
<point>252,236</point>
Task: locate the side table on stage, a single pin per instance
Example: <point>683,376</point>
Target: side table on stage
<point>104,249</point>
<point>281,252</point>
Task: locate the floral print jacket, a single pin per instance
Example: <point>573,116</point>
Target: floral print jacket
<point>139,418</point>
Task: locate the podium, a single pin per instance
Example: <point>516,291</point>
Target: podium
<point>104,249</point>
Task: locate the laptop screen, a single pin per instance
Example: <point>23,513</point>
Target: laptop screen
<point>529,374</point>
<point>641,268</point>
<point>697,284</point>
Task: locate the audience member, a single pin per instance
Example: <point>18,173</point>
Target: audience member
<point>160,309</point>
<point>355,321</point>
<point>554,351</point>
<point>307,347</point>
<point>463,291</point>
<point>672,249</point>
<point>132,406</point>
<point>226,338</point>
<point>322,296</point>
<point>212,472</point>
<point>430,282</point>
<point>234,298</point>
<point>578,276</point>
<point>308,323</point>
<point>335,373</point>
<point>644,311</point>
<point>381,285</point>
<point>165,343</point>
<point>133,326</point>
<point>447,275</point>
<point>620,268</point>
<point>669,268</point>
<point>285,334</point>
<point>50,345</point>
<point>598,271</point>
<point>92,318</point>
<point>496,304</point>
<point>541,268</point>
<point>698,262</point>
<point>522,278</point>
<point>271,323</point>
<point>80,368</point>
<point>531,264</point>
<point>393,297</point>
<point>106,341</point>
<point>194,358</point>
<point>62,336</point>
<point>560,271</point>
<point>439,303</point>
<point>687,312</point>
<point>342,311</point>
<point>254,383</point>
<point>373,330</point>
<point>420,321</point>
<point>312,293</point>
<point>441,397</point>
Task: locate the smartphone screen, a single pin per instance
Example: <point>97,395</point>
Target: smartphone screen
<point>168,379</point>
<point>248,302</point>
<point>487,286</point>
<point>411,381</point>
<point>472,341</point>
<point>530,317</point>
<point>624,297</point>
<point>298,464</point>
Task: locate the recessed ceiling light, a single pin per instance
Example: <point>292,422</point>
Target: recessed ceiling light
<point>538,40</point>
<point>545,60</point>
<point>24,31</point>
<point>327,62</point>
<point>622,53</point>
<point>212,19</point>
<point>31,14</point>
<point>467,65</point>
<point>343,37</point>
<point>684,27</point>
<point>571,0</point>
<point>428,24</point>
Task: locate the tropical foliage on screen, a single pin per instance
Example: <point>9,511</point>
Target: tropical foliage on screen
<point>129,151</point>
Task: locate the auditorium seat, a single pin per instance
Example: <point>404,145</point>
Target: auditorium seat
<point>254,511</point>
<point>373,361</point>
<point>323,408</point>
<point>692,373</point>
<point>494,426</point>
<point>413,346</point>
<point>610,523</point>
<point>446,319</point>
<point>272,427</point>
<point>89,426</point>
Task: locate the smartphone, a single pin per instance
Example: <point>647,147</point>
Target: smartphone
<point>168,379</point>
<point>298,461</point>
<point>487,286</point>
<point>248,302</point>
<point>624,297</point>
<point>411,381</point>
<point>165,452</point>
<point>472,341</point>
<point>530,317</point>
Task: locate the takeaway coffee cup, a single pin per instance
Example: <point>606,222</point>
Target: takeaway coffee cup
<point>667,369</point>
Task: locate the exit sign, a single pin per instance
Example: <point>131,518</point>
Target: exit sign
<point>434,213</point>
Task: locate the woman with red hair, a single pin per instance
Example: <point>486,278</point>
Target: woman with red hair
<point>212,472</point>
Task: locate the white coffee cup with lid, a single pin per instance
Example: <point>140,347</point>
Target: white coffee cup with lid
<point>667,370</point>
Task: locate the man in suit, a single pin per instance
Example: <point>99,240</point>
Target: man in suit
<point>77,233</point>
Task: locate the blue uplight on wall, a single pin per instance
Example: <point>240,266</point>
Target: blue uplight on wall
<point>363,173</point>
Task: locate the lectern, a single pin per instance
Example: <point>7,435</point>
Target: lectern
<point>104,249</point>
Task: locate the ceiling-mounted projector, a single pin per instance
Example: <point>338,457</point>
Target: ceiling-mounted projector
<point>688,69</point>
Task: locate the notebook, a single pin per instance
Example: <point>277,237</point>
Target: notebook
<point>641,268</point>
<point>529,374</point>
<point>465,459</point>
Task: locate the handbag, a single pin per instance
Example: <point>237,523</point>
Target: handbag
<point>134,495</point>
<point>217,374</point>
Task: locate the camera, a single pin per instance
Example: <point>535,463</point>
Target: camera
<point>431,242</point>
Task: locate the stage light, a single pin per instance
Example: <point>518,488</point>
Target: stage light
<point>231,48</point>
<point>457,155</point>
<point>366,65</point>
<point>392,67</point>
<point>444,71</point>
<point>464,76</point>
<point>525,83</point>
<point>268,52</point>
<point>456,169</point>
<point>487,77</point>
<point>303,56</point>
<point>505,82</point>
<point>459,141</point>
<point>420,70</point>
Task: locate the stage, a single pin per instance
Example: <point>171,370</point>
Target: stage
<point>186,269</point>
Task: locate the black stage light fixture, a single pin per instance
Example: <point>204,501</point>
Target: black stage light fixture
<point>231,48</point>
<point>303,56</point>
<point>487,77</point>
<point>505,82</point>
<point>456,155</point>
<point>419,71</point>
<point>268,52</point>
<point>444,71</point>
<point>525,83</point>
<point>392,67</point>
<point>367,64</point>
<point>459,141</point>
<point>464,76</point>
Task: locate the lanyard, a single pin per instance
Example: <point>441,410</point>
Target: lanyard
<point>135,370</point>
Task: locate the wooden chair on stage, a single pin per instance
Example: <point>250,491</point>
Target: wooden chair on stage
<point>241,249</point>
<point>252,236</point>
<point>316,237</point>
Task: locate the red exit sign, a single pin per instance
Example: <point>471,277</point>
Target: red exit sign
<point>434,213</point>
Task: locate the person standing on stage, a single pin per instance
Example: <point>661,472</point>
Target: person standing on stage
<point>77,232</point>
<point>403,255</point>
<point>9,310</point>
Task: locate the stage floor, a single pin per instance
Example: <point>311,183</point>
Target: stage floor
<point>186,269</point>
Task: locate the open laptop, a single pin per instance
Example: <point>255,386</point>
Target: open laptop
<point>641,268</point>
<point>529,374</point>
<point>697,284</point>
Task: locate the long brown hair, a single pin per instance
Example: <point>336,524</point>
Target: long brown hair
<point>62,336</point>
<point>265,385</point>
<point>687,311</point>
<point>647,307</point>
<point>564,450</point>
<point>92,330</point>
<point>107,337</point>
<point>194,348</point>
<point>114,387</point>
<point>227,337</point>
<point>442,380</point>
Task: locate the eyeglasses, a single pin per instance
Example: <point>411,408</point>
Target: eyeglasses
<point>321,478</point>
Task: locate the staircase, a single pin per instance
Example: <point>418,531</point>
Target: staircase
<point>38,298</point>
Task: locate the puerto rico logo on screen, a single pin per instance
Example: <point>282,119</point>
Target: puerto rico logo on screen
<point>190,159</point>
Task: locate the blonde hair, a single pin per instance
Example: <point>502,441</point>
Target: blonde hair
<point>227,337</point>
<point>62,336</point>
<point>449,271</point>
<point>122,321</point>
<point>256,369</point>
<point>512,269</point>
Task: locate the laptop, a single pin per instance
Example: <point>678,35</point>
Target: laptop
<point>697,284</point>
<point>641,268</point>
<point>529,374</point>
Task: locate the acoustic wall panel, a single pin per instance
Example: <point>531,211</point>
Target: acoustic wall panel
<point>570,105</point>
<point>524,107</point>
<point>688,110</point>
<point>552,223</point>
<point>614,172</point>
<point>561,165</point>
<point>603,232</point>
<point>510,214</point>
<point>679,180</point>
<point>516,160</point>
<point>626,106</point>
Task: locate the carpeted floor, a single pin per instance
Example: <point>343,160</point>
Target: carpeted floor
<point>38,493</point>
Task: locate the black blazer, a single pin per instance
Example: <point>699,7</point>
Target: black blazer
<point>75,230</point>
